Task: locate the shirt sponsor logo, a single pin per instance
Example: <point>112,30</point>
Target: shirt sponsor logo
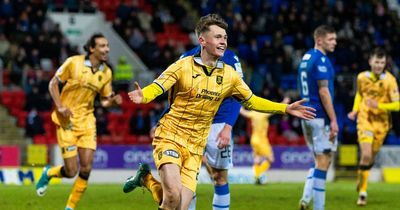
<point>322,69</point>
<point>68,149</point>
<point>171,153</point>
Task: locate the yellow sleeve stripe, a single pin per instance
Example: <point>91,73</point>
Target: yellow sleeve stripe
<point>263,105</point>
<point>357,101</point>
<point>151,92</point>
<point>394,106</point>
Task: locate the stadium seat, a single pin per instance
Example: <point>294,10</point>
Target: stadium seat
<point>39,139</point>
<point>117,139</point>
<point>130,139</point>
<point>104,139</point>
<point>144,139</point>
<point>6,98</point>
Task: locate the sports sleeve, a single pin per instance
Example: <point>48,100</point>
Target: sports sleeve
<point>263,105</point>
<point>358,96</point>
<point>321,69</point>
<point>106,90</point>
<point>394,91</point>
<point>64,71</point>
<point>151,92</point>
<point>170,76</point>
<point>394,97</point>
<point>240,90</point>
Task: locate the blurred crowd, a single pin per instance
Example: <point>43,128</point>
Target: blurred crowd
<point>269,37</point>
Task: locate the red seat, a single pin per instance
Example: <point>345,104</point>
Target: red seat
<point>49,128</point>
<point>144,140</point>
<point>52,139</point>
<point>6,98</point>
<point>117,139</point>
<point>39,139</point>
<point>21,116</point>
<point>104,139</point>
<point>46,116</point>
<point>130,139</point>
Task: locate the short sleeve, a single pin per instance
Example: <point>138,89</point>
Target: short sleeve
<point>64,72</point>
<point>394,91</point>
<point>106,91</point>
<point>240,89</point>
<point>321,69</point>
<point>170,76</point>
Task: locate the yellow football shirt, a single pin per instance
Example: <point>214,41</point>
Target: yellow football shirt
<point>383,89</point>
<point>79,91</point>
<point>194,97</point>
<point>259,124</point>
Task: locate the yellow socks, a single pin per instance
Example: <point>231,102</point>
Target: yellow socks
<point>154,186</point>
<point>260,168</point>
<point>362,180</point>
<point>78,189</point>
<point>55,172</point>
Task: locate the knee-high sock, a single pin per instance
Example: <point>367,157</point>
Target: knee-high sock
<point>362,180</point>
<point>319,180</point>
<point>56,171</point>
<point>78,189</point>
<point>261,168</point>
<point>154,186</point>
<point>222,197</point>
<point>308,186</point>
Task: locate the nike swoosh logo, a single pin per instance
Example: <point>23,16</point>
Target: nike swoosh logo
<point>195,76</point>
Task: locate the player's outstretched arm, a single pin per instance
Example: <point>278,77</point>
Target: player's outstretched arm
<point>112,100</point>
<point>146,95</point>
<point>136,96</point>
<point>393,106</point>
<point>55,95</point>
<point>298,110</point>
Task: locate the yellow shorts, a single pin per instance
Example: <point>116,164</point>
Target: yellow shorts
<point>373,132</point>
<point>167,151</point>
<point>70,140</point>
<point>261,147</point>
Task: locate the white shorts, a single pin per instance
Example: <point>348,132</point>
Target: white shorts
<point>218,158</point>
<point>316,134</point>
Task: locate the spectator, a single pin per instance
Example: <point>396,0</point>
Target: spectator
<point>123,75</point>
<point>139,123</point>
<point>34,124</point>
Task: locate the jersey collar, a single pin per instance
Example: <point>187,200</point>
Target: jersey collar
<point>89,64</point>
<point>198,60</point>
<point>381,76</point>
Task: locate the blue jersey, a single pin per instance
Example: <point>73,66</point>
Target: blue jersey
<point>228,111</point>
<point>315,66</point>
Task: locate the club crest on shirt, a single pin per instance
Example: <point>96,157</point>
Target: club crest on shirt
<point>219,80</point>
<point>100,78</point>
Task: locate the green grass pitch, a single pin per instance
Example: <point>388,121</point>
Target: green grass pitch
<point>340,196</point>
